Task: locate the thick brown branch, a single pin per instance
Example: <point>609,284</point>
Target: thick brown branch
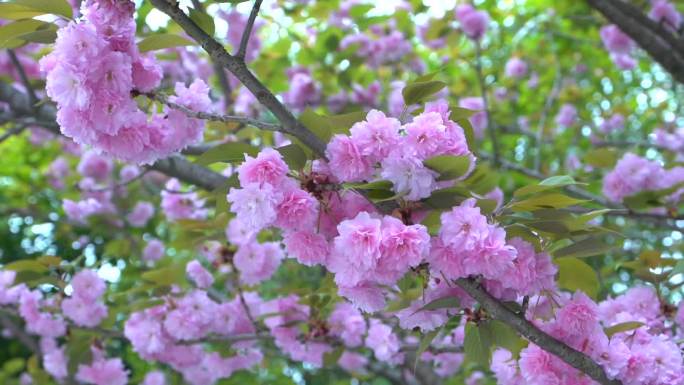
<point>497,310</point>
<point>649,35</point>
<point>179,167</point>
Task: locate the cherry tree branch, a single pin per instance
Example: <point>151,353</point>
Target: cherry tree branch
<point>497,310</point>
<point>24,78</point>
<point>555,90</point>
<point>20,334</point>
<point>491,128</point>
<point>244,41</point>
<point>213,117</point>
<point>174,166</point>
<point>651,36</point>
<point>293,126</point>
<point>16,130</point>
<point>237,66</point>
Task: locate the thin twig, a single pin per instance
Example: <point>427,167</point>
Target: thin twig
<point>16,130</point>
<point>242,51</point>
<point>20,334</point>
<point>118,185</point>
<point>483,90</point>
<point>24,78</point>
<point>555,90</point>
<point>213,117</point>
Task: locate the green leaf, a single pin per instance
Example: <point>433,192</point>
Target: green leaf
<point>204,21</point>
<point>448,302</point>
<point>161,41</point>
<point>424,344</point>
<point>487,206</point>
<point>11,32</point>
<point>553,182</point>
<point>330,358</point>
<point>317,124</point>
<point>449,166</point>
<point>477,344</point>
<point>340,124</point>
<point>468,131</point>
<point>482,180</point>
<point>584,248</point>
<point>649,199</point>
<point>231,152</point>
<point>41,36</point>
<point>78,348</point>
<point>14,365</point>
<point>553,227</point>
<point>378,195</point>
<point>417,92</point>
<point>433,222</point>
<point>549,200</point>
<point>165,276</point>
<point>505,337</point>
<point>622,327</point>
<point>360,10</point>
<point>522,231</point>
<point>221,191</point>
<point>49,260</point>
<point>678,268</point>
<point>27,265</point>
<point>376,185</point>
<point>460,113</point>
<point>446,198</point>
<point>601,157</point>
<point>293,155</point>
<point>13,11</point>
<point>575,274</point>
<point>55,7</point>
<point>143,304</point>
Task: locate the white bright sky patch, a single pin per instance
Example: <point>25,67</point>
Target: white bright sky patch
<point>109,273</point>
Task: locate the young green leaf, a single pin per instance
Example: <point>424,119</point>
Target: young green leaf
<point>585,248</point>
<point>161,41</point>
<point>622,327</point>
<point>417,92</point>
<point>231,152</point>
<point>478,343</point>
<point>448,166</point>
<point>575,274</point>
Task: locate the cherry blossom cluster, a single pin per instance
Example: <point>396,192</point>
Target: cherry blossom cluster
<point>381,148</point>
<point>619,45</point>
<point>91,75</point>
<point>673,141</point>
<point>474,22</point>
<point>666,13</point>
<point>479,119</point>
<point>633,174</point>
<point>378,47</point>
<point>177,204</point>
<point>567,116</point>
<point>644,354</point>
<point>171,333</point>
<point>614,123</point>
<point>99,187</point>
